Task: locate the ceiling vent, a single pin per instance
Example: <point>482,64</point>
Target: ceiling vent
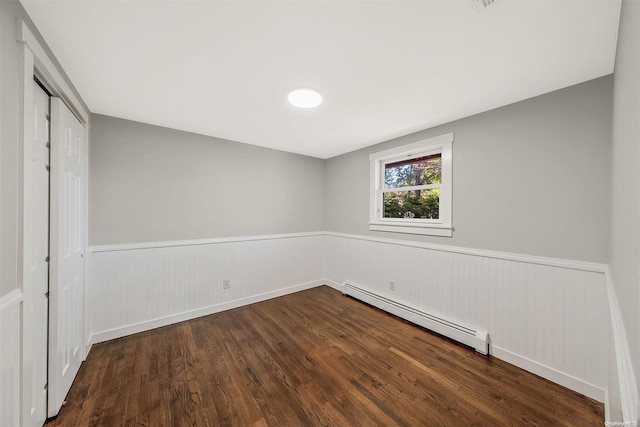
<point>481,5</point>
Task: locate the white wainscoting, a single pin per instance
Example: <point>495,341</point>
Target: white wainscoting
<point>10,358</point>
<point>622,399</point>
<point>137,287</point>
<point>545,315</point>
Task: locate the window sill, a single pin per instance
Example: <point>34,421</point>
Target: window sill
<point>429,230</point>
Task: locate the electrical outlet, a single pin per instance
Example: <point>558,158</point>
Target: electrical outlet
<point>392,285</point>
<point>226,283</point>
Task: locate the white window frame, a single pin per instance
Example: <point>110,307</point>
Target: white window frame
<point>434,227</point>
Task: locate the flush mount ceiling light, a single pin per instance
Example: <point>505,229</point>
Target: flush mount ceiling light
<point>304,98</point>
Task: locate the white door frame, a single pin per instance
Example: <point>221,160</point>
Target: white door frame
<point>35,60</point>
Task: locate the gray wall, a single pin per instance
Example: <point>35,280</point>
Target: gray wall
<point>625,218</point>
<point>148,183</point>
<point>530,178</point>
<point>9,224</point>
<point>10,171</point>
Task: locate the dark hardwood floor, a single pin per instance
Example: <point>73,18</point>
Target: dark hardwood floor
<point>311,358</point>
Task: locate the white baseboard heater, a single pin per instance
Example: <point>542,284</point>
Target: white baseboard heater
<point>473,337</point>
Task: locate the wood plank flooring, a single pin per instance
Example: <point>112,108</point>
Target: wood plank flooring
<point>311,358</point>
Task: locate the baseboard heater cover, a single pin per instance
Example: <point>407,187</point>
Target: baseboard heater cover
<point>473,337</point>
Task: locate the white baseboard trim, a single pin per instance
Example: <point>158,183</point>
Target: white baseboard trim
<point>549,373</point>
<point>110,334</point>
<point>335,285</point>
<point>626,378</point>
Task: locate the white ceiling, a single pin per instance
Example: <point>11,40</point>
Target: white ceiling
<point>385,68</point>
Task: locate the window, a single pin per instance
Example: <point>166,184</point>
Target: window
<point>411,188</point>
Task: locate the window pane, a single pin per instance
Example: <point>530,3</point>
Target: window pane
<point>417,204</point>
<point>420,171</point>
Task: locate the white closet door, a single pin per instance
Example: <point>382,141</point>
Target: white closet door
<point>66,281</point>
<point>37,219</point>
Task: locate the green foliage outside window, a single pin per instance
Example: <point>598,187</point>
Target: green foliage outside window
<point>416,203</point>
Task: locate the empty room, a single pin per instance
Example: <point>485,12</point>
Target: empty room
<point>301,213</point>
